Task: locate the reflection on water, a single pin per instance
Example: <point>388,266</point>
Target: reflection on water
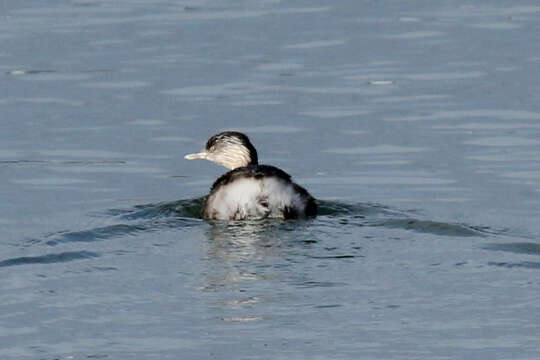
<point>237,252</point>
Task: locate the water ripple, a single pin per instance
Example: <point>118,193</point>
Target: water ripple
<point>374,215</point>
<point>184,214</point>
<point>523,264</point>
<point>141,218</point>
<point>427,226</point>
<point>49,258</point>
<point>96,234</point>
<point>189,208</point>
<point>518,248</point>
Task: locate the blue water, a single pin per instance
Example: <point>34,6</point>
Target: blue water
<point>415,124</point>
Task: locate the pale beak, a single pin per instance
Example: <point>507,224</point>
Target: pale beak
<point>197,156</point>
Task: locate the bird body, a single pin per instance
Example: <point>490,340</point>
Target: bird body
<point>250,190</point>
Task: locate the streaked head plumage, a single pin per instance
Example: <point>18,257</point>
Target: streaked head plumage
<point>231,149</point>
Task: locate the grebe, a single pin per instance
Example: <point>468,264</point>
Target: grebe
<point>250,190</point>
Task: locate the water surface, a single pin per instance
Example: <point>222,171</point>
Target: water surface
<point>415,124</point>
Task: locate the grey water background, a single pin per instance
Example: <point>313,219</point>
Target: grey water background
<point>416,124</point>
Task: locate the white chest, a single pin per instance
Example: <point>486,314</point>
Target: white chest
<point>251,198</point>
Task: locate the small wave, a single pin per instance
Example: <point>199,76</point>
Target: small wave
<point>49,258</point>
<point>523,264</point>
<point>518,248</point>
<point>116,231</point>
<point>370,214</point>
<point>427,226</point>
<point>135,220</point>
<point>335,257</point>
<point>338,208</point>
<point>360,214</point>
<point>96,234</point>
<point>379,215</point>
<point>189,208</point>
<point>183,214</point>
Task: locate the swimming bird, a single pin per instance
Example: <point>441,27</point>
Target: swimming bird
<point>250,190</point>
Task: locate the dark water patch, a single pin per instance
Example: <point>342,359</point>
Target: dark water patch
<point>104,268</point>
<point>331,306</point>
<point>118,230</point>
<point>432,227</point>
<point>50,258</point>
<point>141,218</point>
<point>316,284</point>
<point>523,264</point>
<point>335,257</point>
<point>337,208</point>
<point>190,208</point>
<point>96,234</point>
<point>489,230</point>
<point>518,248</point>
<point>28,242</point>
<point>21,162</point>
<point>378,215</point>
<point>97,356</point>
